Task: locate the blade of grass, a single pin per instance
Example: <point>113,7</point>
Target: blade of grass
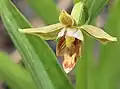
<point>46,9</point>
<point>14,75</point>
<point>37,56</point>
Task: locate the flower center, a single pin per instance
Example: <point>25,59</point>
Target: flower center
<point>69,40</point>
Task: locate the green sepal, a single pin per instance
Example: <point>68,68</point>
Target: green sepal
<point>48,32</point>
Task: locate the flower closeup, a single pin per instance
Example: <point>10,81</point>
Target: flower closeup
<point>70,38</point>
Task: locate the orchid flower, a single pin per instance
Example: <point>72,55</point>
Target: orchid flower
<point>70,37</point>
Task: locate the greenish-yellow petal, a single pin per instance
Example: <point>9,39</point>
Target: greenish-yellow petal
<point>98,33</point>
<point>66,19</point>
<point>78,13</point>
<point>47,32</point>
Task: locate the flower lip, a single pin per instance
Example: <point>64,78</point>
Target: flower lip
<point>70,53</point>
<point>69,62</point>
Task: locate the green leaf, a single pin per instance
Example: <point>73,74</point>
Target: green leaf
<point>14,75</point>
<point>37,55</point>
<point>46,9</point>
<point>109,63</point>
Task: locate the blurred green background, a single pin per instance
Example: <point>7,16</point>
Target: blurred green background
<point>104,72</point>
